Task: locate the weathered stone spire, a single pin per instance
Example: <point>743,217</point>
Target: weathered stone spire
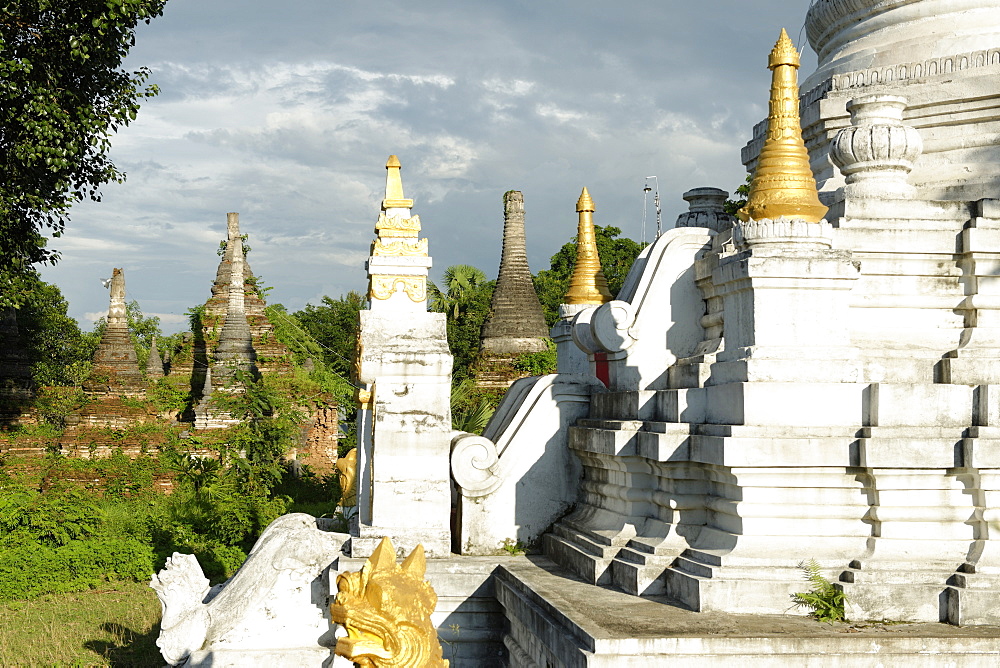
<point>235,349</point>
<point>115,356</point>
<point>587,285</point>
<point>783,185</point>
<point>516,323</point>
<point>154,365</point>
<point>218,305</point>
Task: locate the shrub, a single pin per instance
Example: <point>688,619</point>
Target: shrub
<point>537,364</point>
<point>166,397</point>
<point>55,403</point>
<point>31,569</point>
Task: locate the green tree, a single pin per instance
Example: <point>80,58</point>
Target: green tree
<point>334,326</point>
<point>732,206</point>
<point>60,353</point>
<point>461,282</point>
<point>617,256</point>
<point>329,385</point>
<point>466,303</point>
<point>62,95</point>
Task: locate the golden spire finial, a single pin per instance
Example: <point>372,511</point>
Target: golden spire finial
<point>783,184</point>
<point>394,187</point>
<point>587,285</point>
<point>783,53</point>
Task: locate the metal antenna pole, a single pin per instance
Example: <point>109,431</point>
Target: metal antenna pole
<point>656,203</point>
<point>645,205</point>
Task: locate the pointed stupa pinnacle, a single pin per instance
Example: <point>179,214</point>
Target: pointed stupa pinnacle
<point>116,305</point>
<point>235,347</point>
<point>783,183</point>
<point>516,323</point>
<point>587,285</point>
<point>233,225</point>
<point>154,366</point>
<point>394,198</point>
<point>206,388</point>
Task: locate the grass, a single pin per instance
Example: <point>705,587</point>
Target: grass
<point>116,625</point>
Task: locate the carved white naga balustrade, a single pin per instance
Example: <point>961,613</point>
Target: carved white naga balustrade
<point>652,323</point>
<point>519,477</point>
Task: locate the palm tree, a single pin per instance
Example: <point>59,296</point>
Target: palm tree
<point>460,282</point>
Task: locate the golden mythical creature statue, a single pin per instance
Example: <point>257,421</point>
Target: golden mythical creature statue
<point>347,470</point>
<point>386,608</point>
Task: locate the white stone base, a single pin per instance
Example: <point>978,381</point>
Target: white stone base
<point>321,657</point>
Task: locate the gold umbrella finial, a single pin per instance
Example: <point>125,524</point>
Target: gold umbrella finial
<point>587,285</point>
<point>783,183</point>
<point>394,187</point>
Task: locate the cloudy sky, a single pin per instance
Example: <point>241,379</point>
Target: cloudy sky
<point>287,111</point>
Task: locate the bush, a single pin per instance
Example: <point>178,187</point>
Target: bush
<point>220,562</point>
<point>166,397</point>
<point>55,403</point>
<point>29,570</point>
<point>537,364</point>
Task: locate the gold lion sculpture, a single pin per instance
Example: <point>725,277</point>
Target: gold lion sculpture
<point>386,608</point>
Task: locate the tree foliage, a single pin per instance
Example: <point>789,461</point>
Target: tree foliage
<point>617,256</point>
<point>62,95</point>
<point>334,326</point>
<point>732,206</point>
<point>465,300</point>
<point>461,282</point>
<point>60,353</point>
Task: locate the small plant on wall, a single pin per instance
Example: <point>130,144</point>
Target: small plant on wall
<point>824,599</point>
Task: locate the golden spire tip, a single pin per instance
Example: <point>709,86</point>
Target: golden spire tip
<point>587,285</point>
<point>394,198</point>
<point>783,185</point>
<point>783,53</point>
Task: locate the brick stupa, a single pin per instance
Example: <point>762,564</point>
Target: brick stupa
<point>516,324</point>
<point>115,366</point>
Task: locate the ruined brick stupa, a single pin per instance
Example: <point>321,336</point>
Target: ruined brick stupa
<point>115,362</point>
<point>516,323</point>
<point>233,361</point>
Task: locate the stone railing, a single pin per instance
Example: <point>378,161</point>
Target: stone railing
<point>657,316</point>
<point>519,477</point>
